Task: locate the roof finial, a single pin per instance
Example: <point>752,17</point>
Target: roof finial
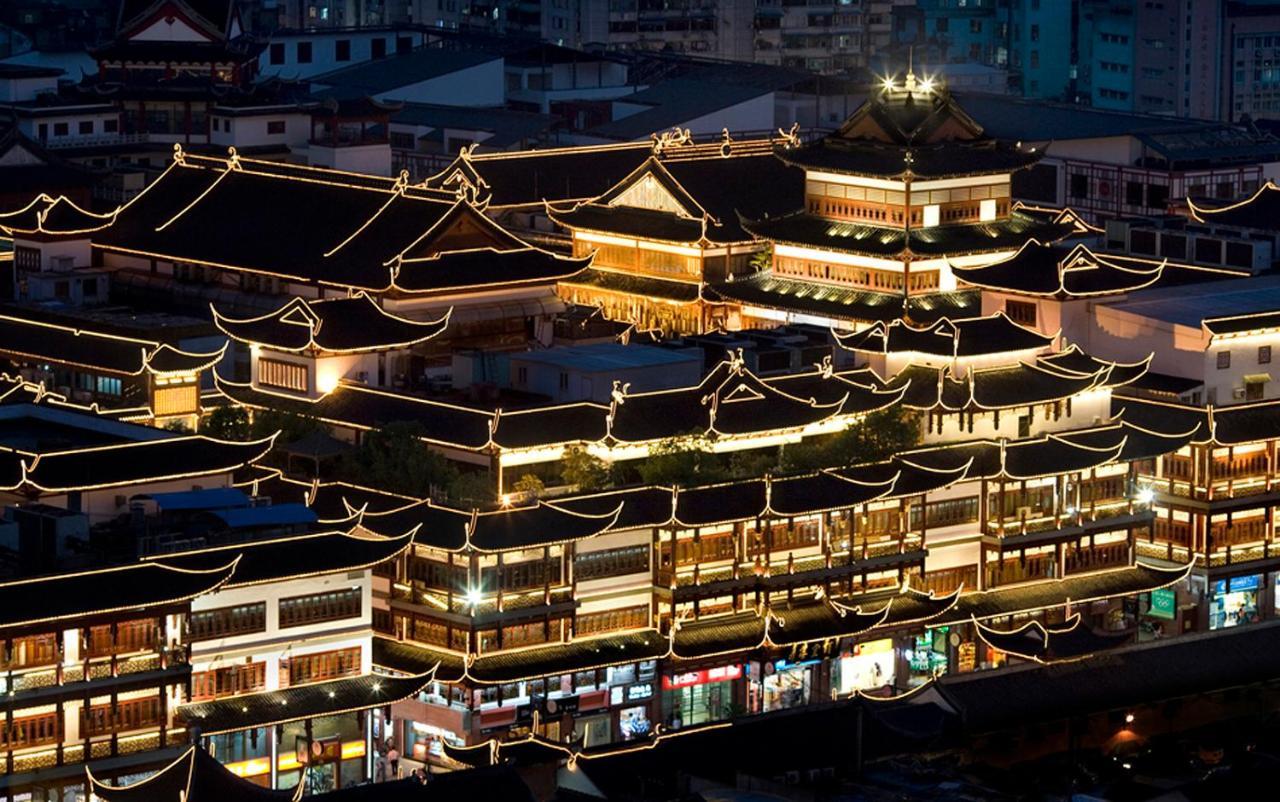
<point>911,73</point>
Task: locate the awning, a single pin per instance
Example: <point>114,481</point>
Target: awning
<point>1257,378</point>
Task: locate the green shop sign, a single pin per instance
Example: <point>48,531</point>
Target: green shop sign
<point>1164,604</point>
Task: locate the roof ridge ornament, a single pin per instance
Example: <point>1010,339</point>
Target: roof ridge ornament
<point>618,395</point>
<point>790,138</point>
<point>179,157</point>
<point>676,137</point>
<point>736,361</point>
<point>726,143</point>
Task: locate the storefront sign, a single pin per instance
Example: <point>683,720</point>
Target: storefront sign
<point>1237,584</point>
<point>555,706</point>
<point>968,656</point>
<point>1164,604</point>
<point>641,690</point>
<point>706,675</point>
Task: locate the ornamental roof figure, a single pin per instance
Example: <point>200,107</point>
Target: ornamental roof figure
<point>910,126</point>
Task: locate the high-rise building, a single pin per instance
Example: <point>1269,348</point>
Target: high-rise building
<point>1250,59</point>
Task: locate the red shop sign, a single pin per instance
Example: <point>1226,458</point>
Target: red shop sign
<point>690,678</point>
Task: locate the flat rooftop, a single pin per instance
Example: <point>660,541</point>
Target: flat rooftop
<point>603,357</point>
<point>1188,306</point>
<point>39,429</point>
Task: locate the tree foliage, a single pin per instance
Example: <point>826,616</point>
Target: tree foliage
<point>584,470</point>
<point>292,426</point>
<point>395,458</point>
<point>529,486</point>
<point>227,423</point>
<point>473,489</point>
<point>682,460</point>
<point>878,436</point>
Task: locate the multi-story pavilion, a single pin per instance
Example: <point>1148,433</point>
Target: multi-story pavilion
<point>908,187</point>
<point>95,664</point>
<point>282,654</point>
<point>673,226</point>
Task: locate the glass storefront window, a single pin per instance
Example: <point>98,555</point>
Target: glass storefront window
<point>697,697</point>
<point>868,666</point>
<point>1234,602</point>
<point>928,655</point>
<point>426,740</point>
<point>633,722</point>
<point>787,686</point>
<point>246,753</point>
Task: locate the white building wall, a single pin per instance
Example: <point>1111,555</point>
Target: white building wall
<point>324,50</point>
<point>247,132</point>
<point>274,644</point>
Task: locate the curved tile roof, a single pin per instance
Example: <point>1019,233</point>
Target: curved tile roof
<point>342,325</point>
<point>48,600</point>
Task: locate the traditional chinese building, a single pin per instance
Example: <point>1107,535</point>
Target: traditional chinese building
<point>603,614</point>
<point>95,664</point>
<point>731,409</point>
<point>307,347</point>
<point>517,186</point>
<point>310,233</point>
<point>166,61</point>
<point>141,380</point>
<point>672,226</point>
<point>282,657</point>
<point>907,188</point>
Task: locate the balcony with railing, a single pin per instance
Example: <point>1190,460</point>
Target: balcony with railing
<point>39,664</point>
<point>1078,560</point>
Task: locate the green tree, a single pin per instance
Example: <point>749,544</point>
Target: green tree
<point>586,471</point>
<point>682,460</point>
<point>395,458</point>
<point>178,425</point>
<point>752,464</point>
<point>762,260</point>
<point>292,426</point>
<point>529,486</point>
<point>878,436</point>
<point>473,489</point>
<point>227,423</point>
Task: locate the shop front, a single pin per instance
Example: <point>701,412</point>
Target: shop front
<point>866,666</point>
<point>928,655</point>
<point>425,726</point>
<point>1158,612</point>
<point>331,752</point>
<point>1235,601</point>
<point>246,753</point>
<point>632,692</point>
<point>787,684</point>
<point>701,696</point>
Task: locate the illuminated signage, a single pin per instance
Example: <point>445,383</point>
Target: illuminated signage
<point>690,678</point>
<point>1164,604</point>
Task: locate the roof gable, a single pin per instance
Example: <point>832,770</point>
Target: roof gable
<point>18,154</point>
<point>207,19</point>
<point>649,193</point>
<point>169,28</point>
